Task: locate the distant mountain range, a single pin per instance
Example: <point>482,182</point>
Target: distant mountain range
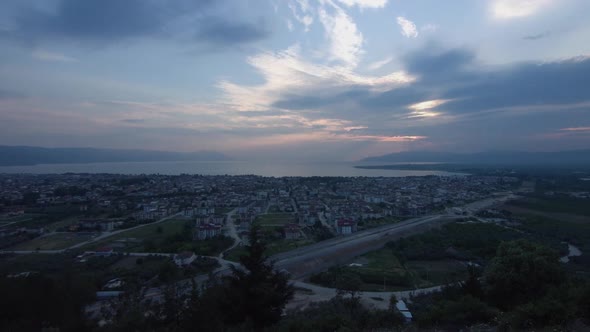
<point>491,157</point>
<point>30,155</point>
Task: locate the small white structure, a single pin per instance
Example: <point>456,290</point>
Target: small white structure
<point>184,258</point>
<point>403,309</point>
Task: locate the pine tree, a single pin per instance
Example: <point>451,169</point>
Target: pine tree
<point>256,294</point>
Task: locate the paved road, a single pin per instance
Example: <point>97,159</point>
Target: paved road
<point>317,257</point>
<point>371,299</point>
<point>232,232</point>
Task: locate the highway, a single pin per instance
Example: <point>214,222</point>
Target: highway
<point>319,256</point>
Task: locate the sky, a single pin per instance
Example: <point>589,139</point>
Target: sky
<point>296,79</point>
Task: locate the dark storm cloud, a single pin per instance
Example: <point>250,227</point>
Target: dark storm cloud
<point>219,31</point>
<point>557,83</point>
<point>397,98</point>
<point>433,64</point>
<point>537,36</point>
<point>456,75</point>
<point>113,20</point>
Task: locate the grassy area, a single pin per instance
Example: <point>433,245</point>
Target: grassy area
<point>63,223</point>
<point>555,204</point>
<point>275,219</point>
<point>171,236</point>
<point>286,245</point>
<point>274,209</point>
<point>152,232</point>
<point>223,210</point>
<point>19,218</point>
<point>234,254</point>
<point>53,241</point>
<point>431,273</point>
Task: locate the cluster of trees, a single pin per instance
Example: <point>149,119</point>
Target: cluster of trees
<point>472,241</point>
<point>38,301</point>
<point>524,287</point>
<point>251,298</point>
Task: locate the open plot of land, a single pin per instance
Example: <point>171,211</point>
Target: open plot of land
<point>53,241</point>
<point>431,273</point>
<point>149,232</point>
<point>575,206</point>
<point>551,215</point>
<point>275,219</point>
<point>286,245</point>
<point>22,217</point>
<point>63,223</point>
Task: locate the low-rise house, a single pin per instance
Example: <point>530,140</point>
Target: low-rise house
<point>346,226</point>
<point>104,251</point>
<point>208,231</point>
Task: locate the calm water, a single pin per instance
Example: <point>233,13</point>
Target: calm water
<point>219,168</point>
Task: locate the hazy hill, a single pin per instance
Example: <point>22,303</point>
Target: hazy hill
<point>29,155</point>
<point>490,157</point>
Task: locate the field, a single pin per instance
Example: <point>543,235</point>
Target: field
<point>136,237</point>
<point>574,206</point>
<point>275,219</point>
<point>431,273</point>
<point>381,270</point>
<point>53,242</point>
<point>19,218</point>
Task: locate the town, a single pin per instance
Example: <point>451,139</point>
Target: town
<point>95,205</point>
<point>395,242</point>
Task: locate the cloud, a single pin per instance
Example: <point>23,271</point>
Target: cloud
<point>408,27</point>
<point>576,129</point>
<point>451,92</point>
<point>287,73</point>
<point>110,21</point>
<point>378,64</point>
<point>50,56</point>
<point>133,121</point>
<point>304,17</point>
<point>511,9</point>
<point>430,27</point>
<point>365,3</point>
<point>342,33</point>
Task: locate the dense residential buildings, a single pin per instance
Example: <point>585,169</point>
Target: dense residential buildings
<point>107,202</point>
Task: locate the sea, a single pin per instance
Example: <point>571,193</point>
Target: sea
<point>276,169</point>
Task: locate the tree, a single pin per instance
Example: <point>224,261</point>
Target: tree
<point>521,272</point>
<point>255,293</point>
<point>472,286</point>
